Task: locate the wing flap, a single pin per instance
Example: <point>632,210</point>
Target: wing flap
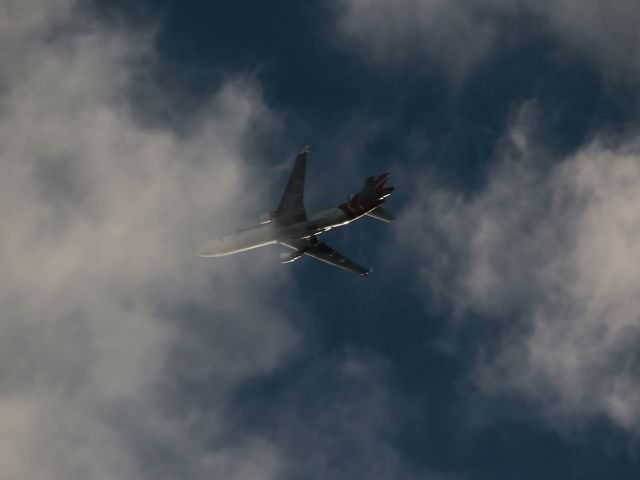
<point>321,251</point>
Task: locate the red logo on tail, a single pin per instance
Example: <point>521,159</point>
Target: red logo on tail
<point>354,209</point>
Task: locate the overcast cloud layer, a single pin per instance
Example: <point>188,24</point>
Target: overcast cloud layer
<point>552,257</point>
<point>455,35</point>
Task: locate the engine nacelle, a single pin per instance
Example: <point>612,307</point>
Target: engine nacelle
<point>288,257</point>
<point>266,217</point>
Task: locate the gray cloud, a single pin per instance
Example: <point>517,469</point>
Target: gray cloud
<point>552,256</point>
<point>455,35</point>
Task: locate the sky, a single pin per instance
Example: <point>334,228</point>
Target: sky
<point>498,336</point>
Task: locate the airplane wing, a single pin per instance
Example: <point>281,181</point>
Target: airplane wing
<point>291,209</point>
<point>321,251</point>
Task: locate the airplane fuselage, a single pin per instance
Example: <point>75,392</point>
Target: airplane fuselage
<point>271,233</point>
<point>290,225</point>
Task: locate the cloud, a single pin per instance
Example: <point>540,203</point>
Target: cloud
<point>335,421</point>
<point>121,351</point>
<point>551,255</point>
<point>100,220</point>
<point>352,414</point>
<point>431,30</point>
<point>456,35</point>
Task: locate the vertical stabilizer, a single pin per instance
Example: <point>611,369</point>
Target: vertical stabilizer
<point>368,193</point>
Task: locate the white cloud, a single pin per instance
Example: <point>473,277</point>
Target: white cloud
<point>108,318</point>
<point>345,430</point>
<point>457,34</point>
<point>100,221</point>
<point>391,32</point>
<point>554,257</point>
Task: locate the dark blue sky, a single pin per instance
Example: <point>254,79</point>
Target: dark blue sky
<point>416,116</point>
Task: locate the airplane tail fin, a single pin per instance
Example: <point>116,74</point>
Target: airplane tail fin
<point>369,199</point>
<point>368,192</point>
<point>380,190</point>
<point>381,214</point>
<point>373,190</point>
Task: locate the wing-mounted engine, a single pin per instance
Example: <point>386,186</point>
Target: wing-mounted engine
<point>288,257</point>
<point>266,217</point>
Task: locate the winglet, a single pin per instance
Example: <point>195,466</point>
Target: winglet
<point>305,149</point>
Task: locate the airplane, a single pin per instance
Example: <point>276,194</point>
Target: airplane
<point>290,225</point>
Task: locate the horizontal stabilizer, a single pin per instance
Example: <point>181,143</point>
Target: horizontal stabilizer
<point>381,214</point>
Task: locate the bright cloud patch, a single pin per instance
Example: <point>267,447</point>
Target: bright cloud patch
<point>555,258</point>
<point>120,350</point>
<point>457,34</point>
<point>100,220</point>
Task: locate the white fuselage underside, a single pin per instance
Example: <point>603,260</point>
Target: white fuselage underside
<point>270,233</point>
